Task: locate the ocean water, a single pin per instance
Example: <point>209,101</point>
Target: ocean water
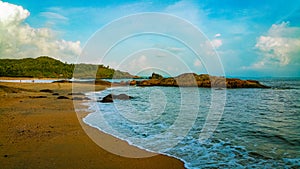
<point>257,128</point>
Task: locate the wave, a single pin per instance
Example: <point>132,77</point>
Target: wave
<point>222,150</point>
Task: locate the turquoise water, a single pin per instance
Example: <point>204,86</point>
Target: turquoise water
<point>259,128</point>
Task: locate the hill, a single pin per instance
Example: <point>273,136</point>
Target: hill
<point>46,67</point>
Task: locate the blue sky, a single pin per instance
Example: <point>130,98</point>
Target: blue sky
<point>252,38</point>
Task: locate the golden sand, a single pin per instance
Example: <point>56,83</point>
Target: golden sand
<point>37,130</point>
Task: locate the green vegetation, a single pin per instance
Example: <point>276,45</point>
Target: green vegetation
<point>46,67</point>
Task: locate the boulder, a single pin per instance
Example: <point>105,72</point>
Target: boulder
<point>122,97</point>
<point>107,99</point>
<point>110,97</point>
<point>46,91</point>
<point>132,83</point>
<point>62,97</point>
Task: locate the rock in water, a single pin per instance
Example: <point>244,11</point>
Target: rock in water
<point>156,76</point>
<point>107,99</point>
<point>202,80</point>
<point>110,97</point>
<point>122,97</point>
<point>132,83</point>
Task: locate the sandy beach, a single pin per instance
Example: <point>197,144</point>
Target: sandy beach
<point>38,130</point>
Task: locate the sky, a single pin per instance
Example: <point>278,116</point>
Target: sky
<point>243,38</point>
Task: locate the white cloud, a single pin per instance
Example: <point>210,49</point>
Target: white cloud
<point>20,40</point>
<point>280,46</point>
<point>217,35</point>
<point>216,43</point>
<point>53,15</point>
<point>12,14</point>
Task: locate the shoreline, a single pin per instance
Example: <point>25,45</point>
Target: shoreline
<point>29,78</point>
<point>137,150</point>
<point>44,132</point>
<point>119,146</point>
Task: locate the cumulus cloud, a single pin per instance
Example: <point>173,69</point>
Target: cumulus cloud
<point>11,13</point>
<point>19,40</point>
<point>280,46</point>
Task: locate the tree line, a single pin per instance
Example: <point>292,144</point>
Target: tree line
<point>46,67</point>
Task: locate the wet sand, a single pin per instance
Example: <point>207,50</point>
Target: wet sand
<point>37,130</point>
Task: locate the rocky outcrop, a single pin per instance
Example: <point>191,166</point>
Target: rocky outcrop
<point>132,83</point>
<point>237,83</point>
<point>110,97</point>
<point>156,76</point>
<point>202,80</point>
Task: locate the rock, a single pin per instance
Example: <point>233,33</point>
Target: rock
<point>156,76</point>
<point>203,80</point>
<point>237,83</point>
<point>151,82</point>
<point>122,97</point>
<point>110,97</point>
<point>187,80</point>
<point>80,94</point>
<point>132,83</point>
<point>107,99</point>
<point>136,77</point>
<point>168,82</point>
<point>46,90</point>
<point>81,98</point>
<point>62,97</point>
<point>62,81</point>
<point>37,97</point>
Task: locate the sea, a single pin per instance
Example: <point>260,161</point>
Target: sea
<point>208,128</point>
